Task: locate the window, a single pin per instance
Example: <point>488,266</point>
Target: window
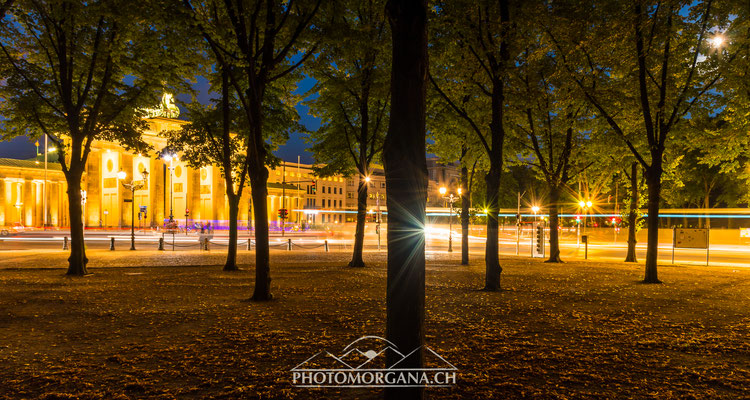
<point>329,202</point>
<point>350,195</point>
<point>329,190</point>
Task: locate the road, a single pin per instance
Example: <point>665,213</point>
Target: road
<point>601,247</point>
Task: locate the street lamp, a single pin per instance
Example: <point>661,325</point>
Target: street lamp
<point>133,186</point>
<point>717,41</point>
<point>378,216</point>
<point>84,197</point>
<point>585,205</point>
<point>170,158</point>
<point>535,210</point>
<point>443,190</point>
<point>44,189</point>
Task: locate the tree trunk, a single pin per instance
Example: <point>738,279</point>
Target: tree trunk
<point>653,179</point>
<point>404,156</point>
<point>633,214</point>
<point>77,260</point>
<point>359,235</point>
<point>554,222</point>
<point>491,250</point>
<point>465,203</point>
<point>234,199</point>
<point>258,181</point>
<point>234,211</point>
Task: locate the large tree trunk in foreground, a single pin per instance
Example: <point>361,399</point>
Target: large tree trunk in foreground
<point>77,260</point>
<point>633,214</point>
<point>465,204</point>
<point>404,156</point>
<point>653,179</point>
<point>259,193</point>
<point>234,211</point>
<point>359,234</point>
<point>491,250</point>
<point>554,223</point>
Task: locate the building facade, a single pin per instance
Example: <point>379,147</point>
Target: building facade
<point>172,189</point>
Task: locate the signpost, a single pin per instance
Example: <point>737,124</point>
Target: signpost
<point>683,238</point>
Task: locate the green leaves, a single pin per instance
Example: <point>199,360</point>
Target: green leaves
<point>351,95</point>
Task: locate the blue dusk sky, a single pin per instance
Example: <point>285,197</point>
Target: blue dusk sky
<point>23,147</point>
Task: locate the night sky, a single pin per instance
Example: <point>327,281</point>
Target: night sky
<point>23,147</point>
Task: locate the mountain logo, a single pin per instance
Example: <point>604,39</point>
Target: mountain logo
<point>362,363</point>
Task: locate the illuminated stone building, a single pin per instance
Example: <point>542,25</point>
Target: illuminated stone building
<point>174,190</point>
<point>189,195</point>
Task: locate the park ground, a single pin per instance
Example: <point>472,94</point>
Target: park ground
<point>149,329</point>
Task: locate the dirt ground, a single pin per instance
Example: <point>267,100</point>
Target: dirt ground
<point>575,330</point>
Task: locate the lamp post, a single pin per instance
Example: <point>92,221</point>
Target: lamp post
<point>133,186</point>
<point>378,214</point>
<point>585,205</point>
<point>44,188</point>
<point>84,197</point>
<point>170,158</point>
<point>450,199</point>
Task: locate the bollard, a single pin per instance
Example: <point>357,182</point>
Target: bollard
<point>205,244</point>
<point>585,240</point>
<point>161,243</point>
<point>289,245</point>
<point>65,243</point>
<point>249,244</point>
<point>111,243</point>
<point>326,243</point>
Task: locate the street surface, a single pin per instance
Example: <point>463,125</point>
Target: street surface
<point>603,244</point>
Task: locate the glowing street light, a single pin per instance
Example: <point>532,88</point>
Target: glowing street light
<point>133,186</point>
<point>170,158</point>
<point>367,179</point>
<point>717,41</point>
<point>535,209</point>
<point>585,205</point>
<point>45,200</point>
<point>443,190</point>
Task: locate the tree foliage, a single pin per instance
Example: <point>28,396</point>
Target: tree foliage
<point>78,72</point>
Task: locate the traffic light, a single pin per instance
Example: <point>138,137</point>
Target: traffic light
<point>187,212</point>
<point>540,239</point>
<point>314,187</point>
<point>283,213</point>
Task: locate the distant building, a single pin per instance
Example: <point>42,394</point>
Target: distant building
<point>187,194</point>
<point>196,195</point>
<point>447,175</point>
<point>375,193</point>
